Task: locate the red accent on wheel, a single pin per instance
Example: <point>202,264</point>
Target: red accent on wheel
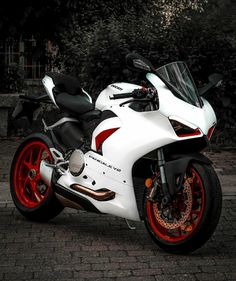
<point>27,177</point>
<point>189,226</point>
<point>101,137</point>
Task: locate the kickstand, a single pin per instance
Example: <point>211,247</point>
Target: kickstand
<point>129,226</point>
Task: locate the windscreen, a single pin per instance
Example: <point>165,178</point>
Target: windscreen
<point>177,75</point>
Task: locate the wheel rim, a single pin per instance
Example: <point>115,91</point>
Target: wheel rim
<point>181,218</point>
<point>29,187</point>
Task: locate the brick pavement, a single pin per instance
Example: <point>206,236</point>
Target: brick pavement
<point>83,246</point>
<point>79,246</point>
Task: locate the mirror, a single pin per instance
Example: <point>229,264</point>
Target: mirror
<point>215,79</point>
<point>136,62</point>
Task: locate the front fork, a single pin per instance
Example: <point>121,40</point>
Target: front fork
<point>161,165</point>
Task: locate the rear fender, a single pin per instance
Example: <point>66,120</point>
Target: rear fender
<point>46,139</point>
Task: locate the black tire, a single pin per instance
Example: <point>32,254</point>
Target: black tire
<point>190,235</point>
<point>29,201</point>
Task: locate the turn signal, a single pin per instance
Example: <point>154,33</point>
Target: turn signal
<point>148,182</point>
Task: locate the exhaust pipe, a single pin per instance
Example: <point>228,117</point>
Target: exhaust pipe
<point>46,173</point>
<point>99,195</point>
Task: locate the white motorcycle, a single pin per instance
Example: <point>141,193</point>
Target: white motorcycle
<point>134,154</point>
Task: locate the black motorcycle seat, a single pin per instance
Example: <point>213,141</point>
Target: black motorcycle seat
<point>74,105</point>
<point>66,83</point>
<point>69,96</point>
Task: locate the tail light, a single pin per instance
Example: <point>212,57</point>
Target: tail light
<point>183,130</point>
<point>210,132</point>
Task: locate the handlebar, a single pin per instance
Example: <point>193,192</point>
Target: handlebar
<point>121,96</point>
<point>147,93</point>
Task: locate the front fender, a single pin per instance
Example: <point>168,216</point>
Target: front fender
<point>176,165</point>
<point>176,168</point>
<point>198,157</point>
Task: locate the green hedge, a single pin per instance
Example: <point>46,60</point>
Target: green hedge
<point>204,39</point>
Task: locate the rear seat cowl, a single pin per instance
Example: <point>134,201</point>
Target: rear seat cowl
<point>66,83</point>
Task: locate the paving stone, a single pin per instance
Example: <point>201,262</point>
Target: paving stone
<point>216,269</point>
<point>113,254</point>
<point>53,275</point>
<point>136,278</point>
<point>151,259</point>
<point>231,275</point>
<point>147,272</point>
<point>140,253</point>
<point>177,277</point>
<point>219,276</point>
<point>93,260</point>
<point>118,273</point>
<point>134,265</point>
<point>23,276</point>
<point>72,267</point>
<point>123,259</point>
<point>94,248</point>
<point>105,266</point>
<point>88,274</point>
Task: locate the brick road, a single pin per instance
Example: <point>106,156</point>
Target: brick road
<point>82,246</point>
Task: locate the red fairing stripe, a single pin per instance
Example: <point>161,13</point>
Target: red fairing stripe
<point>100,138</point>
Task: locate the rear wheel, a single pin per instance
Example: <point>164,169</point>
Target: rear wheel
<point>191,218</point>
<point>32,197</point>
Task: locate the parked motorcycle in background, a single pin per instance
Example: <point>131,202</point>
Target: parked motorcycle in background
<point>141,160</point>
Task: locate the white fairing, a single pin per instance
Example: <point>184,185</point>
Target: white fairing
<point>169,105</point>
<point>49,85</point>
<point>106,176</point>
<point>103,101</point>
<point>136,134</point>
<point>105,125</point>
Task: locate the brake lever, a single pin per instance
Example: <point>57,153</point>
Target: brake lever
<point>139,93</point>
<point>134,100</point>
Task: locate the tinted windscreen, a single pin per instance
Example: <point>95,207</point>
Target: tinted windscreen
<point>178,76</point>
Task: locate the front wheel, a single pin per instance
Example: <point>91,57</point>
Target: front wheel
<point>191,218</point>
<point>32,197</point>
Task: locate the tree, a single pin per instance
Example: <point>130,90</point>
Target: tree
<point>45,18</point>
<point>195,31</point>
<point>100,47</point>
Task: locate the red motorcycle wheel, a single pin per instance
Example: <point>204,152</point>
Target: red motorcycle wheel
<point>190,219</point>
<point>27,179</point>
<point>31,195</point>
